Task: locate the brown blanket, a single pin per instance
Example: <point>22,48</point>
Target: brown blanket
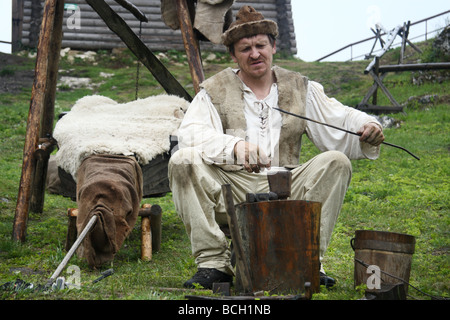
<point>110,187</point>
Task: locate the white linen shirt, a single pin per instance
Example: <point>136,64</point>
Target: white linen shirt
<point>202,127</point>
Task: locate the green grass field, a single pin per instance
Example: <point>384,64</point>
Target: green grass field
<point>395,193</point>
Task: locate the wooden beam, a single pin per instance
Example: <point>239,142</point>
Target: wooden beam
<point>393,34</point>
<point>371,91</point>
<point>33,122</point>
<point>48,112</point>
<point>190,44</point>
<point>379,109</point>
<point>415,67</point>
<point>384,89</point>
<point>140,50</point>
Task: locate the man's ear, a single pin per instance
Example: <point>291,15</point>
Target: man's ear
<point>233,57</point>
<point>274,49</point>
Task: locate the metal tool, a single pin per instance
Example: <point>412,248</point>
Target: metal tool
<point>71,251</point>
<point>104,274</point>
<point>257,197</point>
<point>341,129</point>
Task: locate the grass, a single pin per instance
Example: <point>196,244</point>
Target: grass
<point>394,193</point>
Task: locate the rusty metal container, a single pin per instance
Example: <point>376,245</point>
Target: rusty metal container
<point>280,241</point>
<point>390,252</point>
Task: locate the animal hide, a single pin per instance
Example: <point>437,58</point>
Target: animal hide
<point>211,17</point>
<point>99,125</point>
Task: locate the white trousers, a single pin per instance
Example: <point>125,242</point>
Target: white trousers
<point>197,195</point>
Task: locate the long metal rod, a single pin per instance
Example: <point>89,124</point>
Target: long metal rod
<point>341,129</point>
<point>72,250</point>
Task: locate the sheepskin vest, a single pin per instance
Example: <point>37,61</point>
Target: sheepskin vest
<point>227,94</point>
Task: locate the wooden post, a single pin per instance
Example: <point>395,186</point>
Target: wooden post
<point>150,230</point>
<point>384,89</point>
<point>191,44</point>
<point>48,113</point>
<point>146,235</point>
<point>33,122</point>
<point>376,72</point>
<point>404,34</point>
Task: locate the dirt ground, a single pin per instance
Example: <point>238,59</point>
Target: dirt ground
<point>12,80</point>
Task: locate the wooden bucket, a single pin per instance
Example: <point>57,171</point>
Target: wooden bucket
<point>280,241</point>
<point>390,252</point>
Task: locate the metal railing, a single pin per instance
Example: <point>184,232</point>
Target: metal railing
<point>351,45</point>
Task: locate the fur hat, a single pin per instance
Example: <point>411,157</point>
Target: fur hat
<point>249,22</point>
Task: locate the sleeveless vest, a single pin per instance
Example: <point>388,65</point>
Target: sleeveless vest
<point>227,94</point>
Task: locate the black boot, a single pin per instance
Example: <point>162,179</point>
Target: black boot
<point>206,277</point>
<point>326,281</point>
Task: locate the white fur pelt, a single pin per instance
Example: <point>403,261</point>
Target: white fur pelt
<point>99,125</point>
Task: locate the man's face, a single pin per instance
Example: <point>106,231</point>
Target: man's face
<point>254,55</point>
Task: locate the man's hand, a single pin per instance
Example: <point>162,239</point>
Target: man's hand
<point>371,133</point>
<point>251,157</point>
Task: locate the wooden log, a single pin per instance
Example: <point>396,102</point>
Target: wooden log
<point>33,122</point>
<point>140,50</point>
<point>384,89</point>
<point>415,67</point>
<point>370,108</point>
<point>150,230</point>
<point>48,112</point>
<point>146,239</point>
<point>191,44</point>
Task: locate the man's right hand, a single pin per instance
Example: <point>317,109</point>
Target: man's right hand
<point>251,157</point>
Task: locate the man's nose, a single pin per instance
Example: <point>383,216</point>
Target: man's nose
<point>254,54</point>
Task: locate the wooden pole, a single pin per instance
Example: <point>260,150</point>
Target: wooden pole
<point>33,122</point>
<point>48,113</point>
<point>376,72</point>
<point>384,89</point>
<point>191,44</point>
<point>140,50</point>
<point>146,236</point>
<point>415,67</point>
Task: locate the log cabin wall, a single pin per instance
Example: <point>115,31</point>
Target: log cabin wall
<point>85,30</point>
